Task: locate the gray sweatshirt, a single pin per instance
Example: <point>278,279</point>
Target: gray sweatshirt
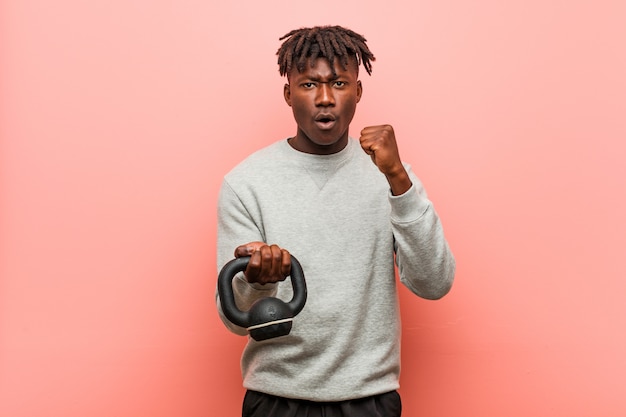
<point>336,215</point>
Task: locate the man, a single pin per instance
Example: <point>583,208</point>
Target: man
<point>347,210</point>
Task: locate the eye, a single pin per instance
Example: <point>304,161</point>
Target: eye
<point>340,84</point>
<point>308,85</point>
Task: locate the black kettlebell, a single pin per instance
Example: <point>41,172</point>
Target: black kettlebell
<point>268,317</point>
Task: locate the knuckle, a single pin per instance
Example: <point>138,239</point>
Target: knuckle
<point>254,263</point>
<point>266,255</point>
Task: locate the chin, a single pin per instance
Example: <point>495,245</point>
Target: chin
<point>323,141</point>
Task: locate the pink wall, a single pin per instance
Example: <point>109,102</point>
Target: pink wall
<point>118,119</point>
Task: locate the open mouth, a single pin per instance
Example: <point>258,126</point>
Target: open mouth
<point>325,121</point>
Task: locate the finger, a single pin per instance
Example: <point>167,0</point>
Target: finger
<point>366,145</point>
<point>277,255</point>
<point>368,130</point>
<point>370,143</point>
<point>265,271</point>
<point>253,270</point>
<point>247,249</point>
<point>286,263</point>
<point>243,250</point>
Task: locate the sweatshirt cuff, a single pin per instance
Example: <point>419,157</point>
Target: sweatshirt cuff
<point>408,207</point>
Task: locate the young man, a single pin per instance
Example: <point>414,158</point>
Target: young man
<point>347,209</point>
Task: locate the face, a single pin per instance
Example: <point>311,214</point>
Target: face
<point>323,105</point>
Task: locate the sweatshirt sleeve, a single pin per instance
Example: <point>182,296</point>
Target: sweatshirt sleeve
<point>236,226</point>
<point>425,261</point>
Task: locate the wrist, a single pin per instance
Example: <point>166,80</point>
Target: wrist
<point>399,181</point>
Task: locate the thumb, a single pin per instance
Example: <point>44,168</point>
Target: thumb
<point>248,249</point>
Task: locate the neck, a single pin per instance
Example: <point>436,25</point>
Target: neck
<point>302,143</point>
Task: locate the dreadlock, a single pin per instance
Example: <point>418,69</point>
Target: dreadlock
<point>305,45</point>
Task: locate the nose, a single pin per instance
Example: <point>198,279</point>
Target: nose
<point>325,96</point>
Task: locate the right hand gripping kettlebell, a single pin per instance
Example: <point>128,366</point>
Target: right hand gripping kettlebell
<point>268,317</point>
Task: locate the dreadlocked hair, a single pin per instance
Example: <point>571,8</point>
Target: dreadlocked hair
<point>335,43</point>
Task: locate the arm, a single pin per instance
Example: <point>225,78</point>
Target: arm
<point>268,263</point>
<point>425,262</point>
<point>424,259</point>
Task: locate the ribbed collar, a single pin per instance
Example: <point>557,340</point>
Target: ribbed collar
<point>320,167</point>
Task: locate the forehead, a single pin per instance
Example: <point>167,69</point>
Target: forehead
<point>320,68</point>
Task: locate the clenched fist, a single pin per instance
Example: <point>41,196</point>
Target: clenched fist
<point>268,263</point>
<point>379,142</point>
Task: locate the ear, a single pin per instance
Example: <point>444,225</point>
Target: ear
<point>287,94</point>
<point>359,91</point>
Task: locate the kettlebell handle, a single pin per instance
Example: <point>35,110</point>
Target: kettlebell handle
<point>227,298</point>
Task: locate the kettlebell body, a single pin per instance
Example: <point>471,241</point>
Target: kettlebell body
<point>268,317</point>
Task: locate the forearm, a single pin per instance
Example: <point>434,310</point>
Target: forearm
<point>235,227</point>
<point>426,264</point>
<point>425,261</point>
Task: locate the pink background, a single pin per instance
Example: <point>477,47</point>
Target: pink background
<point>119,118</point>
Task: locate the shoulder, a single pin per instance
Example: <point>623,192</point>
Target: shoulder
<point>265,158</point>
